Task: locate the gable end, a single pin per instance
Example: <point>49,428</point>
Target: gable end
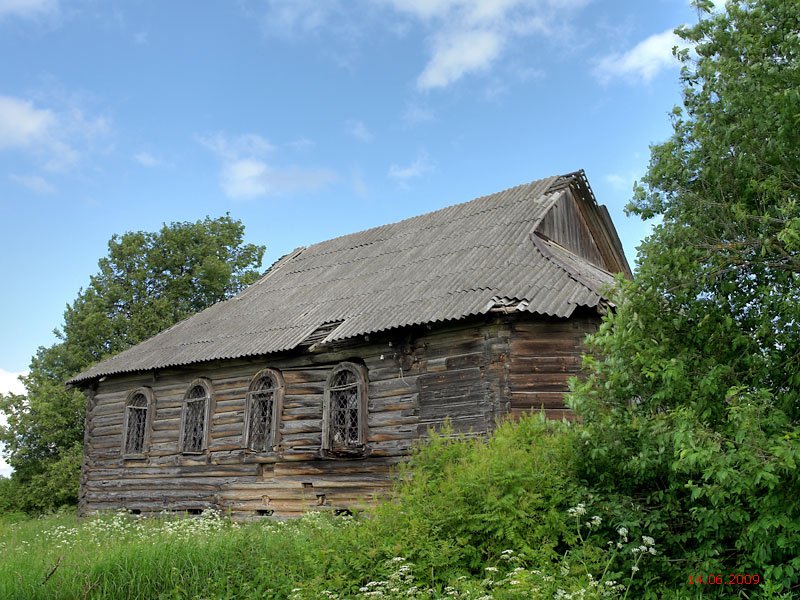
<point>566,225</point>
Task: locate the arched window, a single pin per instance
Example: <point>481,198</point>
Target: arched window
<point>344,417</point>
<point>136,428</point>
<point>195,417</point>
<point>263,411</point>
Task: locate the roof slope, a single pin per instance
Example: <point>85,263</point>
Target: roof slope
<point>449,264</point>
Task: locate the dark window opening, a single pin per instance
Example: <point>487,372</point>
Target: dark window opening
<point>137,424</point>
<point>194,423</point>
<point>345,401</point>
<point>261,416</point>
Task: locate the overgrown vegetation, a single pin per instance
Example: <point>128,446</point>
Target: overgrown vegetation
<point>503,518</point>
<point>693,400</point>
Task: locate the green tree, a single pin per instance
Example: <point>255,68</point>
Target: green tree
<point>146,283</point>
<point>693,394</point>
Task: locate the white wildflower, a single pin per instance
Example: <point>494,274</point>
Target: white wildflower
<point>577,511</point>
<point>648,541</point>
<point>491,569</point>
<point>596,520</point>
<point>634,569</point>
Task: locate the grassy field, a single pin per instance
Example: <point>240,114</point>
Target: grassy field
<point>120,556</point>
<point>479,519</point>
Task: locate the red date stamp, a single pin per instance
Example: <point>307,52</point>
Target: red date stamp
<point>729,579</point>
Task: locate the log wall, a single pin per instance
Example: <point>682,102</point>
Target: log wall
<point>543,356</point>
<point>471,374</point>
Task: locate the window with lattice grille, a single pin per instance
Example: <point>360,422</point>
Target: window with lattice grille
<point>263,404</point>
<point>195,417</point>
<point>345,410</point>
<point>136,424</point>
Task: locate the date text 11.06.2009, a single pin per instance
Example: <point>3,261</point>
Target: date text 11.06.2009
<point>729,579</point>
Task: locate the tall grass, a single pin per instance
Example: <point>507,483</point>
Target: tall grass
<point>499,518</point>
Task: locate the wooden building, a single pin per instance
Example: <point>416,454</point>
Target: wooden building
<point>307,388</point>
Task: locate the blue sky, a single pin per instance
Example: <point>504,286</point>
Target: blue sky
<point>305,119</point>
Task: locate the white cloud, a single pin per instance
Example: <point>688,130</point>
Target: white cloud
<point>147,160</point>
<point>463,36</point>
<point>470,36</point>
<point>642,62</point>
<point>245,173</point>
<point>22,125</point>
<point>251,178</point>
<point>359,130</point>
<point>35,183</point>
<point>456,54</point>
<point>416,169</point>
<point>27,8</point>
<point>246,178</point>
<point>57,139</point>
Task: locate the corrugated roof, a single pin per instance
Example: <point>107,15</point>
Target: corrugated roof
<point>443,265</point>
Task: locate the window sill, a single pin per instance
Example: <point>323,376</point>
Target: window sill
<point>136,457</point>
<point>355,452</point>
<point>249,456</point>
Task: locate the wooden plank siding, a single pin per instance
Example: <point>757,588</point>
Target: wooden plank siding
<point>470,373</point>
<point>566,224</point>
<point>544,355</point>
